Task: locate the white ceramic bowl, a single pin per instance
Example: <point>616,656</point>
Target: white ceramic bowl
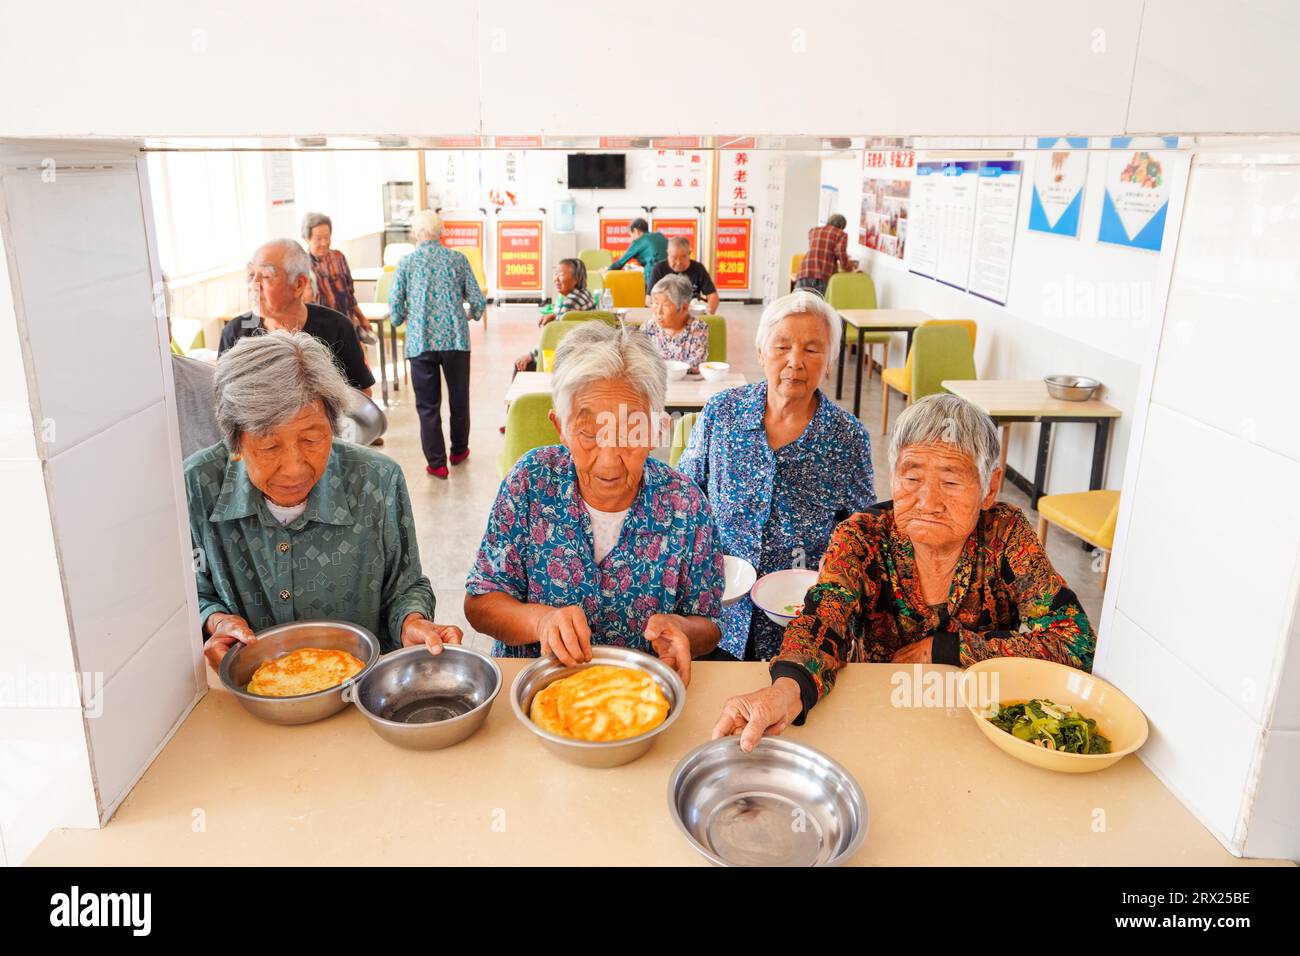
<point>740,577</point>
<point>774,593</point>
<point>676,370</point>
<point>714,371</point>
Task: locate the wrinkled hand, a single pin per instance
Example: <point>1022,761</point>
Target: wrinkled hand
<point>521,363</point>
<point>418,629</point>
<point>664,633</point>
<point>764,713</point>
<point>565,634</point>
<point>918,652</point>
<point>231,629</point>
<point>545,318</point>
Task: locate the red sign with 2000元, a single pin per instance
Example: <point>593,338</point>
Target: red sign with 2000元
<point>519,255</point>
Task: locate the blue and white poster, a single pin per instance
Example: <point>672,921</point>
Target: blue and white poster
<point>1060,171</point>
<point>1136,202</point>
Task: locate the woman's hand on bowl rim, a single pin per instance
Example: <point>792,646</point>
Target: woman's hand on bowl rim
<point>230,629</point>
<point>563,632</point>
<point>762,713</point>
<point>418,629</point>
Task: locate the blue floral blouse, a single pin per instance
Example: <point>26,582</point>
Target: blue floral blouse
<point>429,289</point>
<point>775,509</point>
<point>538,548</point>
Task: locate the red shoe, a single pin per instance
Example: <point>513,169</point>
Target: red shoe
<point>457,459</point>
<point>439,472</point>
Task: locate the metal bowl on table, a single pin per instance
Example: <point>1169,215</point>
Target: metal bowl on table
<point>1071,388</point>
<point>238,666</point>
<point>586,753</point>
<point>782,804</point>
<point>427,701</point>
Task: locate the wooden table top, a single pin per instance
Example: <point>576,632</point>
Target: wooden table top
<point>1025,398</point>
<point>374,311</point>
<point>690,392</point>
<point>884,320</point>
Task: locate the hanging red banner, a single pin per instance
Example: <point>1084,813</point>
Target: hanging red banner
<point>519,255</point>
<point>459,233</point>
<point>732,249</point>
<point>614,235</point>
<point>688,229</point>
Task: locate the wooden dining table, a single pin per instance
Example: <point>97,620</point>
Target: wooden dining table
<point>872,320</point>
<point>1017,400</point>
<point>377,314</point>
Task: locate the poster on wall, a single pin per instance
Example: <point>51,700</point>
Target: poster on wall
<point>954,209</point>
<point>519,256</point>
<point>997,206</point>
<point>463,234</point>
<point>688,229</point>
<point>732,250</point>
<point>676,171</point>
<point>1056,200</point>
<point>614,235</point>
<point>922,254</point>
<point>884,218</point>
<point>279,178</point>
<point>1136,202</point>
<point>503,176</point>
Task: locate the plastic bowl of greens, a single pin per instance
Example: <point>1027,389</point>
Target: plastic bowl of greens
<point>1052,716</point>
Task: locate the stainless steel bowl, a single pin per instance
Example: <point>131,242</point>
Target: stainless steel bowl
<point>1071,388</point>
<point>364,421</point>
<point>238,666</point>
<point>427,701</point>
<point>783,804</point>
<point>584,752</point>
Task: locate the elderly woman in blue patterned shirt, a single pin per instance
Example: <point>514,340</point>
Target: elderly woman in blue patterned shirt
<point>593,542</point>
<point>430,290</point>
<point>290,524</point>
<point>781,463</point>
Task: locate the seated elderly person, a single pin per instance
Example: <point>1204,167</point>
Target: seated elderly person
<point>290,524</point>
<point>780,461</point>
<point>571,284</point>
<point>679,262</point>
<point>593,542</point>
<point>676,333</point>
<point>943,574</point>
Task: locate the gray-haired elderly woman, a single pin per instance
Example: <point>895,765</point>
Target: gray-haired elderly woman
<point>676,334</point>
<point>780,462</point>
<point>290,524</point>
<point>591,541</point>
<point>941,574</point>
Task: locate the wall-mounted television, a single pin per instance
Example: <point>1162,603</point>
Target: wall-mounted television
<point>597,171</point>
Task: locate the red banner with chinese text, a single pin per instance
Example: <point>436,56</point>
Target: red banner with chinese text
<point>732,245</point>
<point>614,235</point>
<point>519,256</point>
<point>688,229</point>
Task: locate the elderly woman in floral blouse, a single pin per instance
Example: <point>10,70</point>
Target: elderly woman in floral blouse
<point>780,462</point>
<point>675,332</point>
<point>593,542</point>
<point>942,574</point>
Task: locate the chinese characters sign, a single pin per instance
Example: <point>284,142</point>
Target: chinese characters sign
<point>732,249</point>
<point>519,256</point>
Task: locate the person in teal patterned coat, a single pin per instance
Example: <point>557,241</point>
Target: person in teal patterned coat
<point>288,523</point>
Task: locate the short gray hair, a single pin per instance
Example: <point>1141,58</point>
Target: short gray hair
<point>265,380</point>
<point>800,302</point>
<point>297,261</point>
<point>681,242</point>
<point>678,288</point>
<point>952,421</point>
<point>596,352</point>
<point>314,219</point>
<point>426,224</point>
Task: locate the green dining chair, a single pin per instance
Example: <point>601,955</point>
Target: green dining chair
<point>682,428</point>
<point>527,427</point>
<point>856,290</point>
<point>552,333</point>
<point>595,260</point>
<point>940,352</point>
<point>717,338</point>
<point>609,318</point>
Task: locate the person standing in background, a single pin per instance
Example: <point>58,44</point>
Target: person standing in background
<point>648,248</point>
<point>828,253</point>
<point>334,288</point>
<point>431,288</point>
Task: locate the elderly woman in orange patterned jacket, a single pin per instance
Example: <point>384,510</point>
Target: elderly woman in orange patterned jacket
<point>941,574</point>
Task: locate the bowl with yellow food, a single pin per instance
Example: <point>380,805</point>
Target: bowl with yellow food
<point>295,673</point>
<point>1052,716</point>
<point>603,713</point>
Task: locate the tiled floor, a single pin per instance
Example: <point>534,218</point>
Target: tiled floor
<point>451,514</point>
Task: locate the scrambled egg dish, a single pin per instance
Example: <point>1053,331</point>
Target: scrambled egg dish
<point>600,703</point>
<point>303,671</point>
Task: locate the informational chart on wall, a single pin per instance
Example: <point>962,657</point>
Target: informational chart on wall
<point>886,191</point>
<point>997,205</point>
<point>1136,202</point>
<point>1060,171</point>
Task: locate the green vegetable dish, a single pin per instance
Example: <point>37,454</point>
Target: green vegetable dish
<point>1052,726</point>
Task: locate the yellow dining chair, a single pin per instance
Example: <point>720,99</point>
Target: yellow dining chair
<point>796,261</point>
<point>1090,515</point>
<point>627,286</point>
<point>900,379</point>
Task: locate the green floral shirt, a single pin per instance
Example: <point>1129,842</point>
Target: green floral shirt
<point>351,556</point>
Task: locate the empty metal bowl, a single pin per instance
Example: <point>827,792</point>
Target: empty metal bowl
<point>427,701</point>
<point>588,753</point>
<point>783,804</point>
<point>364,421</point>
<point>1071,388</point>
<point>238,666</point>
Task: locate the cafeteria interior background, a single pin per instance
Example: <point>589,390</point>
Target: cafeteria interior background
<point>133,191</point>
